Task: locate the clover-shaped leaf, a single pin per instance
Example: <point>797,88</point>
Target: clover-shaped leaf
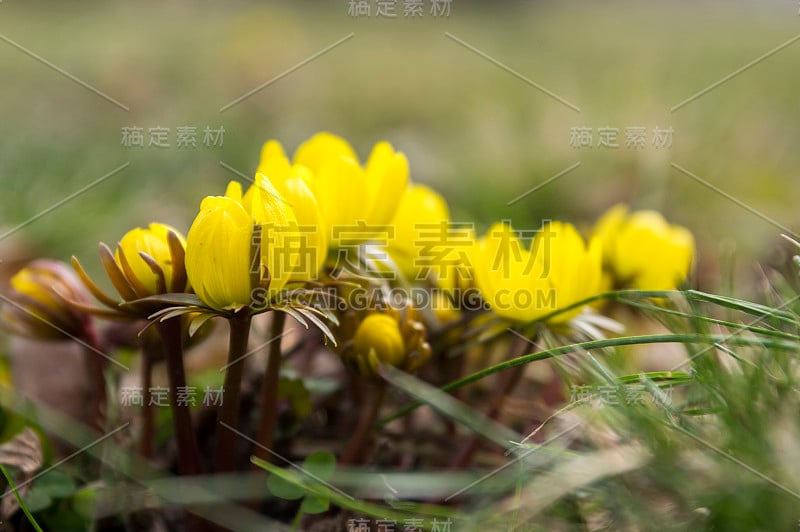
<point>292,484</point>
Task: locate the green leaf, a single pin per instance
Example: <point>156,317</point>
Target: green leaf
<point>321,464</point>
<point>343,500</point>
<point>55,484</point>
<point>309,315</point>
<point>198,322</point>
<point>177,299</point>
<point>85,501</point>
<point>283,488</point>
<point>37,500</point>
<point>172,312</point>
<point>291,484</point>
<point>314,504</point>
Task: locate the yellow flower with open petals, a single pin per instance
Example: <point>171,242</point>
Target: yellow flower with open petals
<point>294,183</point>
<point>521,284</point>
<point>349,194</point>
<point>642,250</point>
<point>426,246</point>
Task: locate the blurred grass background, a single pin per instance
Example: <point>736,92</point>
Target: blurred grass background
<point>479,134</point>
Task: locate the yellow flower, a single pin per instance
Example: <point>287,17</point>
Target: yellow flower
<point>421,227</point>
<point>294,183</point>
<point>146,258</point>
<point>350,194</point>
<point>378,338</point>
<point>386,339</point>
<point>37,305</point>
<point>148,261</point>
<point>239,243</point>
<point>642,250</point>
<point>558,270</point>
<point>218,253</point>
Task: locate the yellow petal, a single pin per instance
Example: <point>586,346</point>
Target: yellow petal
<point>271,149</point>
<point>293,184</point>
<point>312,246</point>
<point>387,177</point>
<point>378,337</point>
<point>341,188</point>
<point>607,229</point>
<point>279,232</point>
<point>218,249</point>
<point>420,246</point>
<point>574,267</point>
<point>275,166</point>
<point>152,241</point>
<point>322,148</point>
<point>655,255</point>
<point>234,191</point>
<point>559,270</point>
<point>510,277</point>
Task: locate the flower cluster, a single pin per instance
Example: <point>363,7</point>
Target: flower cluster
<point>313,230</point>
<point>247,249</point>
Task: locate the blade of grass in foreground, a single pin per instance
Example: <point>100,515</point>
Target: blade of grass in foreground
<point>709,339</point>
<point>22,504</point>
<point>362,508</point>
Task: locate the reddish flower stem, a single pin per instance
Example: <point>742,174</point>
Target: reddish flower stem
<point>225,456</point>
<point>188,450</point>
<point>269,390</point>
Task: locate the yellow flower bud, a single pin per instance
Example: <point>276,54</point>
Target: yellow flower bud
<point>152,273</point>
<point>642,250</point>
<point>147,262</point>
<point>520,284</point>
<point>389,340</point>
<point>37,302</point>
<point>219,254</point>
<point>240,243</point>
<point>378,339</point>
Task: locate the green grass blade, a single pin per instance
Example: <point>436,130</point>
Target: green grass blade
<point>601,344</point>
<point>22,504</point>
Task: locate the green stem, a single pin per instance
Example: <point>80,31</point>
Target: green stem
<point>188,451</point>
<point>353,454</point>
<point>298,518</point>
<point>269,390</point>
<point>225,458</point>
